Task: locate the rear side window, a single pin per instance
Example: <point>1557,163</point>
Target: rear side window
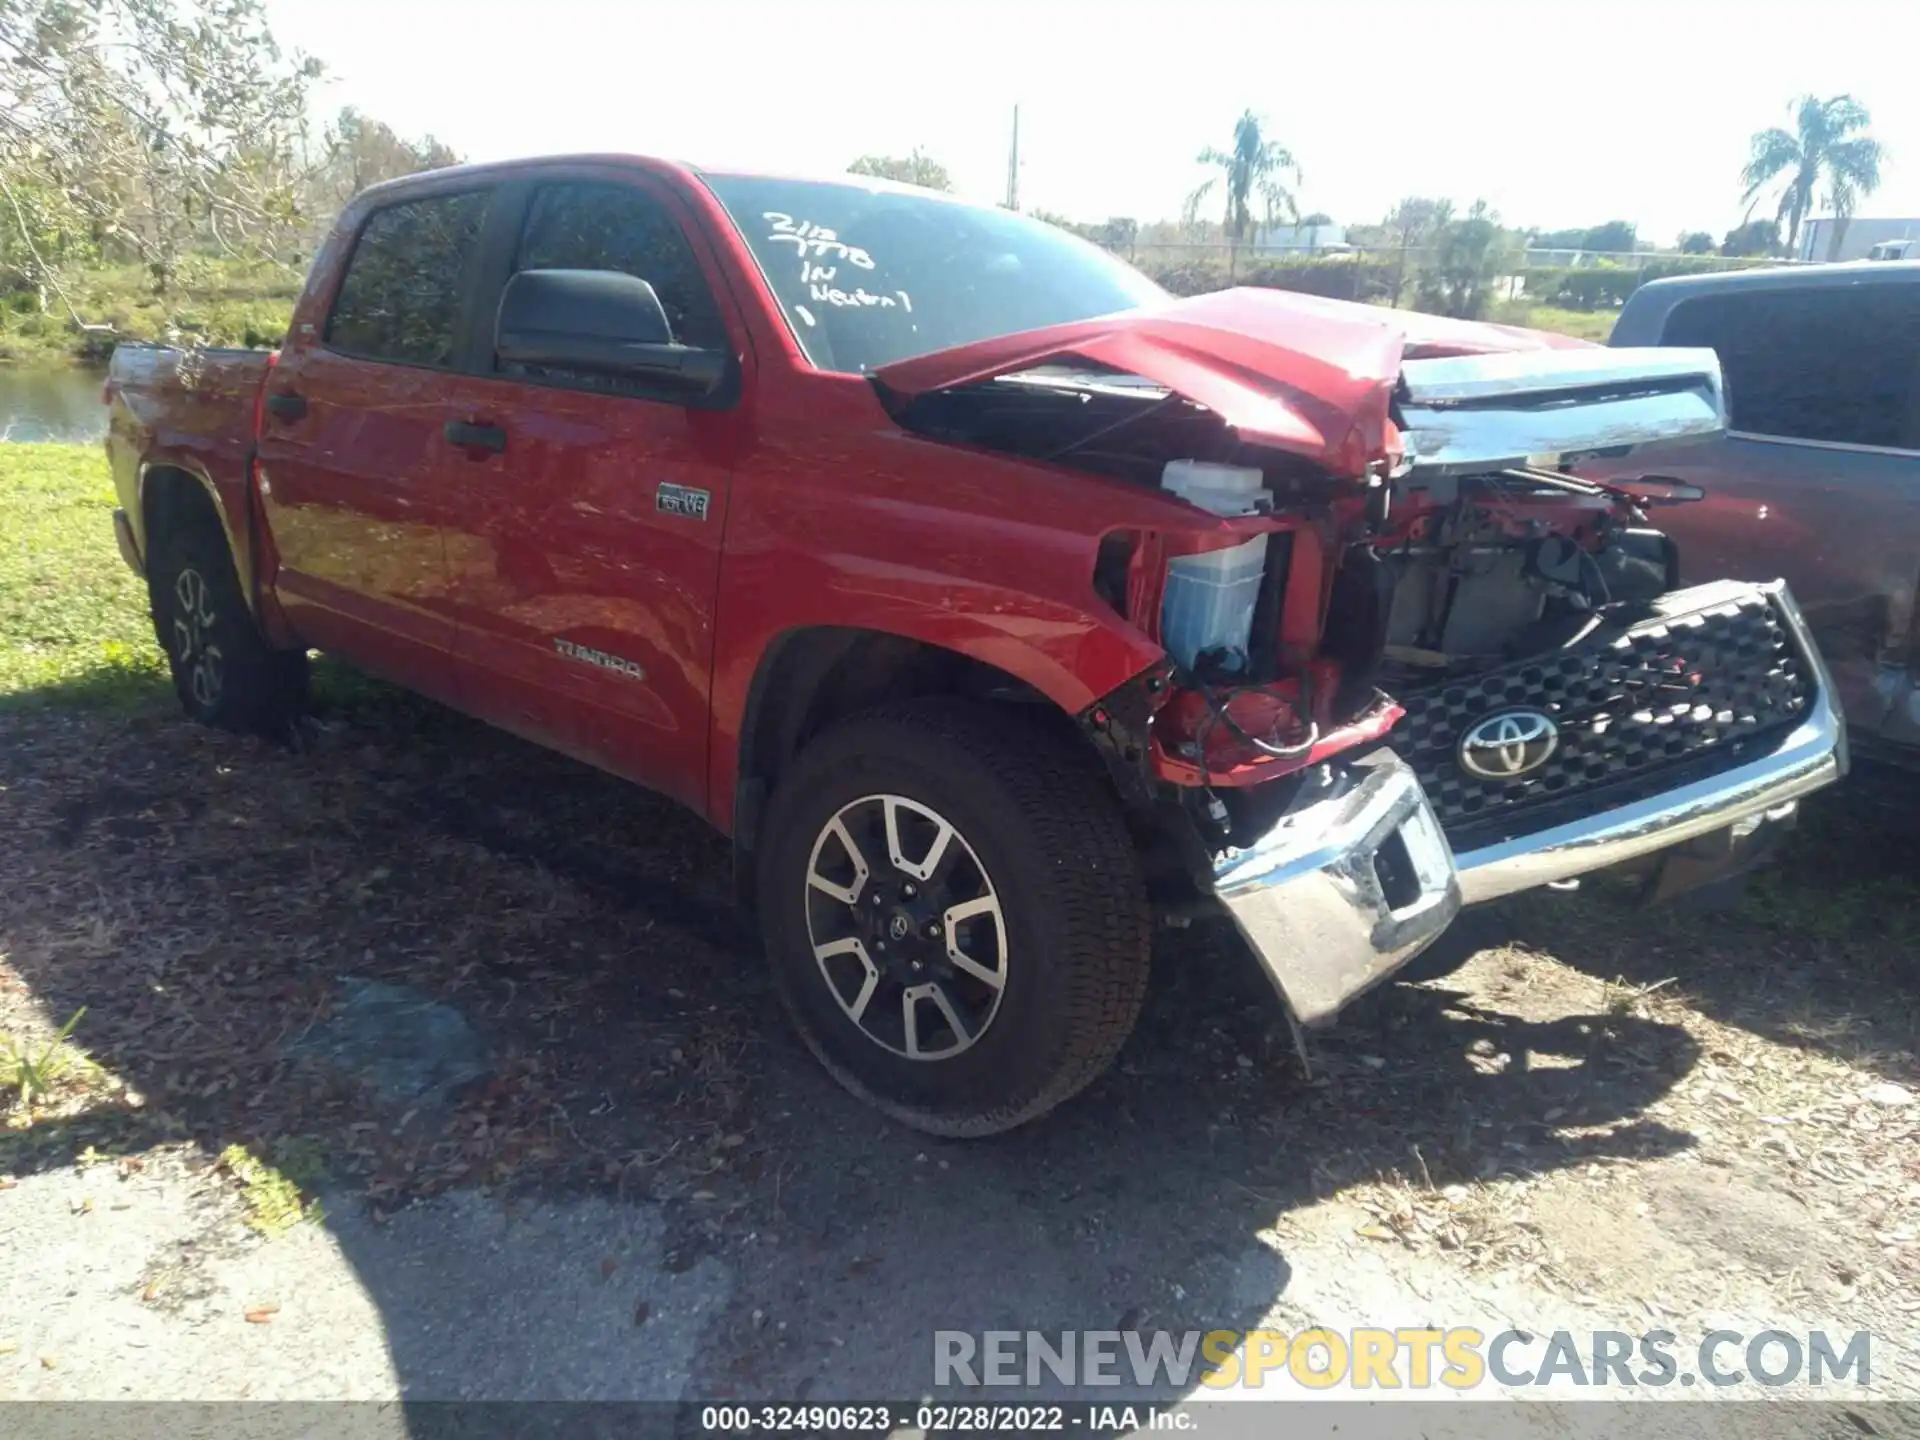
<point>598,226</point>
<point>401,297</point>
<point>1825,363</point>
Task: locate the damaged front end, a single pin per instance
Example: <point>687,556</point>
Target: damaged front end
<point>1459,671</point>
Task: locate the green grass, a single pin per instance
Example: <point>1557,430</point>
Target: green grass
<point>1584,324</point>
<point>32,1069</point>
<point>208,302</point>
<point>273,1191</point>
<point>1594,325</point>
<point>73,617</point>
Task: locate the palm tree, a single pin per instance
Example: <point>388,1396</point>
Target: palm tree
<point>1824,147</point>
<point>1253,170</point>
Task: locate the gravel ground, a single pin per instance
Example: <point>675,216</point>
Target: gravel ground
<point>493,1011</point>
<point>462,1297</point>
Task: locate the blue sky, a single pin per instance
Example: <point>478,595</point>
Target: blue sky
<point>1558,114</point>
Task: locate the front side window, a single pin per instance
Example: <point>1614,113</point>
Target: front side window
<point>1822,363</point>
<point>400,299</point>
<point>599,226</point>
<point>868,275</point>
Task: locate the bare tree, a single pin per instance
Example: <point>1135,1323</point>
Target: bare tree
<point>1411,226</point>
<point>149,130</point>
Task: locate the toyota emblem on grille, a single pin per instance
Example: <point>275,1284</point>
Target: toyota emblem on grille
<point>1509,745</point>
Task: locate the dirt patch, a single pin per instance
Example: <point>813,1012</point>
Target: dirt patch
<point>1599,1111</point>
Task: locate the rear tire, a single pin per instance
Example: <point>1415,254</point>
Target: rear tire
<point>954,913</point>
<point>224,670</point>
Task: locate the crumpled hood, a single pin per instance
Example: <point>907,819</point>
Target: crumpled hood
<point>1310,376</point>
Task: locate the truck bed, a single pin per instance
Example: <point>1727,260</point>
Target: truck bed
<point>198,407</point>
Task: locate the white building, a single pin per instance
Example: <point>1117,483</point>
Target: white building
<point>1307,239</point>
<point>1816,236</point>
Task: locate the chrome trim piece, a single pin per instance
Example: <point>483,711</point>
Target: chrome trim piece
<point>1844,447</point>
<point>1311,900</point>
<point>1813,755</point>
<point>1512,374</point>
<point>1479,410</point>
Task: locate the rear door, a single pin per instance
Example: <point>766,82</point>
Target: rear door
<point>1818,479</point>
<point>352,450</point>
<point>585,556</point>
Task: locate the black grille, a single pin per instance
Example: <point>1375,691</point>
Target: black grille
<point>1669,694</point>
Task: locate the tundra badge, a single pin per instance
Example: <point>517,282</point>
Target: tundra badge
<point>618,664</point>
<point>672,499</point>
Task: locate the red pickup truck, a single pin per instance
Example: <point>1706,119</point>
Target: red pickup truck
<point>997,605</point>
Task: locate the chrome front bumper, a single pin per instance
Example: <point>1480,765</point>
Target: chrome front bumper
<point>1357,878</point>
<point>1354,881</point>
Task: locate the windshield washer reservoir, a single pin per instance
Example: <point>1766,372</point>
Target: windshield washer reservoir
<point>1210,598</point>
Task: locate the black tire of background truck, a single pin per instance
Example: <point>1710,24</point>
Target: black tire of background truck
<point>1047,830</point>
<point>195,591</point>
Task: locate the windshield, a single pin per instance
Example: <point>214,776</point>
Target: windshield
<point>868,275</point>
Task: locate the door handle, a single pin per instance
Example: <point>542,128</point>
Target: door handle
<point>287,406</point>
<point>469,436</point>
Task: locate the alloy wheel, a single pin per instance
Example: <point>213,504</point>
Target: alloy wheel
<point>906,927</point>
<point>195,649</point>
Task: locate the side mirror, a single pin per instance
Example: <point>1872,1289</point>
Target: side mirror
<point>598,320</point>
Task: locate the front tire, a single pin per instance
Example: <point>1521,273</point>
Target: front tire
<point>224,670</point>
<point>954,913</point>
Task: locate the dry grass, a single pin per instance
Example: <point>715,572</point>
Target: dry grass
<point>204,894</point>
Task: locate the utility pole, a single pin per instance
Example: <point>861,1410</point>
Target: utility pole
<point>1013,165</point>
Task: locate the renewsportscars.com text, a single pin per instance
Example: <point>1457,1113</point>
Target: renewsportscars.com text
<point>1461,1358</point>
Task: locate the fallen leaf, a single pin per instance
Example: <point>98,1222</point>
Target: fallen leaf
<point>641,1311</point>
<point>1376,1232</point>
<point>607,1267</point>
<point>262,1314</point>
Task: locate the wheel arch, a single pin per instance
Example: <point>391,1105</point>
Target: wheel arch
<point>811,677</point>
<point>165,485</point>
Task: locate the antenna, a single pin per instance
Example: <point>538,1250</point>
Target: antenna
<point>1013,164</point>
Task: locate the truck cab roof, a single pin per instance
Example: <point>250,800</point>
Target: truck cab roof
<point>1644,317</point>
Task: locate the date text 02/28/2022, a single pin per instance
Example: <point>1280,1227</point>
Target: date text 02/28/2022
<point>947,1418</point>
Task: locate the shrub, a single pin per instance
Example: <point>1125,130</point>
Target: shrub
<point>1587,288</point>
<point>1606,287</point>
<point>1337,277</point>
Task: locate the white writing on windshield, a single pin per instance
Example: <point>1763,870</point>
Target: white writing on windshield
<point>814,245</point>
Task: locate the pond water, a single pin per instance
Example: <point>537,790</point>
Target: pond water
<point>51,403</point>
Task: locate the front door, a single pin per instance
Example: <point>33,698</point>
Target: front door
<point>352,446</point>
<point>586,554</point>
